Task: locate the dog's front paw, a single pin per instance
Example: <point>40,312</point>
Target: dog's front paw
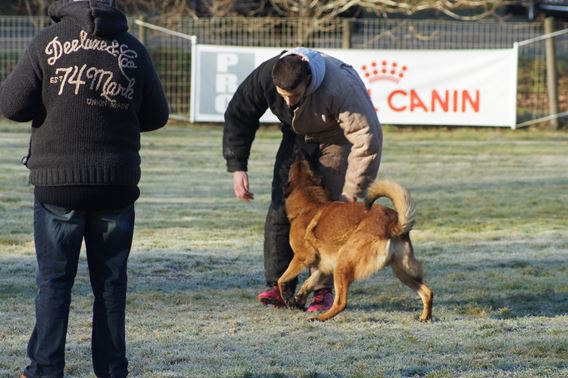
<point>297,303</point>
<point>287,294</point>
<point>291,304</point>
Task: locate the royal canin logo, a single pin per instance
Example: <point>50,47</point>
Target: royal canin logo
<point>411,100</point>
<point>384,71</point>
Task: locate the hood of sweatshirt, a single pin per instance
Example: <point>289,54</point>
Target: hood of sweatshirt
<point>95,17</point>
<point>316,62</point>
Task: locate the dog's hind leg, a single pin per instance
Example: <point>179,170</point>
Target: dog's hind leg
<point>409,271</point>
<point>342,278</point>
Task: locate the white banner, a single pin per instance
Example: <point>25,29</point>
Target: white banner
<point>407,87</point>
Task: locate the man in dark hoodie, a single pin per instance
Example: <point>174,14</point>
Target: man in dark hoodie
<point>89,89</point>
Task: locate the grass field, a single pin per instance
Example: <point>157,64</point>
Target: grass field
<point>492,233</point>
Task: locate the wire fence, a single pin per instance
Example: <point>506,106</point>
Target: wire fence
<point>533,88</point>
<point>172,55</point>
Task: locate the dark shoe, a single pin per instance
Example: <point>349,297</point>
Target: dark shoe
<point>272,297</point>
<point>322,301</point>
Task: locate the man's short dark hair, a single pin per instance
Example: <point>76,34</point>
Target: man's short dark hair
<point>289,72</point>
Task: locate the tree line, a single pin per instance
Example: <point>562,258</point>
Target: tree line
<point>455,9</point>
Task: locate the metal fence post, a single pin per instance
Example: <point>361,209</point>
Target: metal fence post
<point>142,31</point>
<point>551,77</point>
<point>347,28</point>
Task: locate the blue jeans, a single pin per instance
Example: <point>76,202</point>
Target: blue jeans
<point>58,237</point>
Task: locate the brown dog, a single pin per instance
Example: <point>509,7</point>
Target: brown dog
<point>350,240</point>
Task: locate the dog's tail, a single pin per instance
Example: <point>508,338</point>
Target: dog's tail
<point>403,203</point>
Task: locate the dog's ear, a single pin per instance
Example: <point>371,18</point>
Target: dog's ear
<point>300,154</point>
<point>295,173</point>
<point>288,189</point>
<point>317,180</point>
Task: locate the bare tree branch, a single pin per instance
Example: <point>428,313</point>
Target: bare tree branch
<point>476,9</point>
<point>314,9</point>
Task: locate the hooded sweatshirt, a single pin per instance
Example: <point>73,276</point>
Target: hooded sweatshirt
<point>89,88</point>
<point>315,62</point>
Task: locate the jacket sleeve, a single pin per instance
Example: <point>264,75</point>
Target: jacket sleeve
<point>243,113</point>
<point>154,111</point>
<point>20,93</point>
<point>358,119</point>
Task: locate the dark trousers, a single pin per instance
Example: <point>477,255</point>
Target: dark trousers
<point>59,234</point>
<point>277,250</point>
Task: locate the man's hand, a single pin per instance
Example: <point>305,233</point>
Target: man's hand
<point>347,198</point>
<point>241,186</point>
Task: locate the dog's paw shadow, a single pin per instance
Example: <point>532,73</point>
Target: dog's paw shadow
<point>372,311</point>
<point>390,305</point>
<point>296,307</point>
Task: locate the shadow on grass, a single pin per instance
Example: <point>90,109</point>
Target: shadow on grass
<point>498,305</point>
<point>500,286</point>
